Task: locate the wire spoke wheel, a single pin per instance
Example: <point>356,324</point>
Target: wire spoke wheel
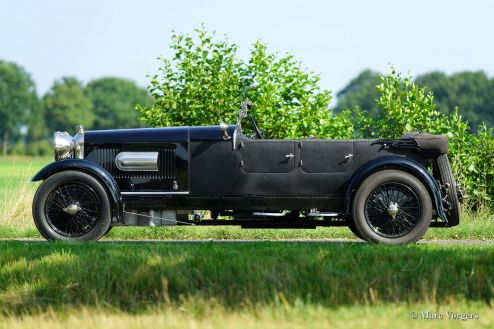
<point>72,206</point>
<point>393,209</point>
<point>73,209</point>
<point>392,206</point>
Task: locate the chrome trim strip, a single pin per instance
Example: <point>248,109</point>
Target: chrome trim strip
<point>153,193</point>
<point>269,214</point>
<point>324,214</point>
<point>137,161</point>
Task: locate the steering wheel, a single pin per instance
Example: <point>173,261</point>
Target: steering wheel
<point>259,133</point>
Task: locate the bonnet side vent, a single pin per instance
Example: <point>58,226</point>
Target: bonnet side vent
<point>105,157</point>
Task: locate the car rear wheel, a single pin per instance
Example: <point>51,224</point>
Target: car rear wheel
<point>392,206</point>
<point>71,206</point>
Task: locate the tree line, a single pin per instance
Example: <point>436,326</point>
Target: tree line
<point>470,92</point>
<point>28,120</point>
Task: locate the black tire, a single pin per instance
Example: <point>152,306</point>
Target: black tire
<point>372,207</point>
<point>449,185</point>
<point>89,203</point>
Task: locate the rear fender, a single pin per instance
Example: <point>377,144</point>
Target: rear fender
<point>92,169</point>
<point>396,163</point>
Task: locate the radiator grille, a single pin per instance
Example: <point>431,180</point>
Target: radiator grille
<point>105,157</point>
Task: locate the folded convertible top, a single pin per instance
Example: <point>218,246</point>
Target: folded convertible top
<point>431,145</point>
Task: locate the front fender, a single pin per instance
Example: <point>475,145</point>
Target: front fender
<point>90,168</point>
<point>396,163</point>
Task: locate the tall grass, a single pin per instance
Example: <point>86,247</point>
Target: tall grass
<point>134,277</point>
<point>247,285</point>
<point>16,198</point>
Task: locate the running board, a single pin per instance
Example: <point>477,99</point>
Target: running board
<point>310,215</point>
<point>270,223</point>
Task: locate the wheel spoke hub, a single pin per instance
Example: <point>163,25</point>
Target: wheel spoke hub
<point>73,209</point>
<point>392,209</point>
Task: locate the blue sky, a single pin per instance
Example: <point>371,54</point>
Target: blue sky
<point>337,39</point>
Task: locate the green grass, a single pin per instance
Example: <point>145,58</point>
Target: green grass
<point>133,277</point>
<point>477,226</point>
<point>473,226</point>
<point>261,284</point>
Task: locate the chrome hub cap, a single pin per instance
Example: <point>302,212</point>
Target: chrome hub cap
<point>72,209</point>
<point>393,209</point>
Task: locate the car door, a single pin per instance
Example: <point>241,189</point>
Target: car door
<point>326,156</point>
<point>267,156</point>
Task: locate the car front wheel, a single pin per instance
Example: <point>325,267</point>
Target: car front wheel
<point>71,206</point>
<point>392,206</point>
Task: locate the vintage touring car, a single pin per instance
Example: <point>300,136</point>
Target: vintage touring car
<point>384,190</point>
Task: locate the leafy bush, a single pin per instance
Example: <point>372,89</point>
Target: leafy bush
<point>404,106</point>
<point>474,165</point>
<point>205,82</point>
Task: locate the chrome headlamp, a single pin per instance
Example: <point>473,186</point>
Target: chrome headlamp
<point>67,147</point>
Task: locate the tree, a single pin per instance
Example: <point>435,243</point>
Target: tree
<point>471,92</point>
<point>114,102</point>
<point>66,105</point>
<point>204,82</point>
<point>442,87</point>
<point>360,93</point>
<point>288,100</point>
<point>38,139</point>
<point>17,99</point>
<point>474,93</point>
